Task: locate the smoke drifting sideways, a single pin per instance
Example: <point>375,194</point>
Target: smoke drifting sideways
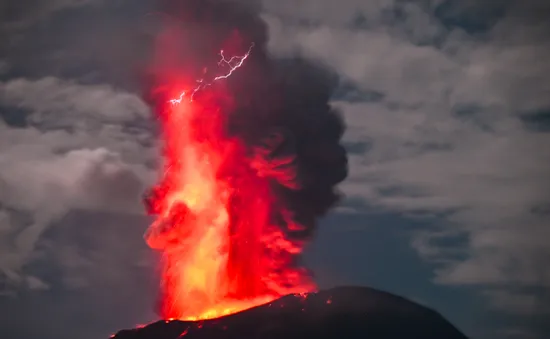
<point>251,162</point>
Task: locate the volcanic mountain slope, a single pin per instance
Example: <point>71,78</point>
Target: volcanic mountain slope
<point>343,312</point>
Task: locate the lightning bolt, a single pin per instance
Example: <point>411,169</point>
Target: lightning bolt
<point>233,63</point>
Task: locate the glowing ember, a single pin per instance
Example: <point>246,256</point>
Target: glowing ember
<point>213,229</point>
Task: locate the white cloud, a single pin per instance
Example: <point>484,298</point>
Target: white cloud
<point>447,136</point>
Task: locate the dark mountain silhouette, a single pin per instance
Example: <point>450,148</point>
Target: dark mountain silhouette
<point>343,312</point>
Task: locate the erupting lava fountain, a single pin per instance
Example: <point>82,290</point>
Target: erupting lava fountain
<point>252,155</point>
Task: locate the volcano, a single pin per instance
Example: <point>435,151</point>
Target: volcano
<point>252,156</point>
<point>342,312</point>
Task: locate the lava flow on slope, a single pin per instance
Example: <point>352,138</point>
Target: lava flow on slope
<point>252,155</point>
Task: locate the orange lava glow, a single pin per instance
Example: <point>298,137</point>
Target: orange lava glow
<point>222,252</point>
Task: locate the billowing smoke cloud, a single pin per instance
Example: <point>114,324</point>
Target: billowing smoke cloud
<point>285,157</point>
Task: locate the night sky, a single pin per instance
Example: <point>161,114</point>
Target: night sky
<point>447,104</point>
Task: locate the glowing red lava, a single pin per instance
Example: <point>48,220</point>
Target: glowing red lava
<point>222,250</point>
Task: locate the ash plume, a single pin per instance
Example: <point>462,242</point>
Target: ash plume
<point>286,156</point>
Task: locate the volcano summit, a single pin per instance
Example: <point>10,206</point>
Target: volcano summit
<point>343,312</point>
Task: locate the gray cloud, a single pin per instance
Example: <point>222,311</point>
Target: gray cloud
<point>52,101</point>
<point>447,137</point>
<point>84,147</point>
<point>4,67</point>
<point>19,14</point>
<point>438,125</point>
<point>77,149</point>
